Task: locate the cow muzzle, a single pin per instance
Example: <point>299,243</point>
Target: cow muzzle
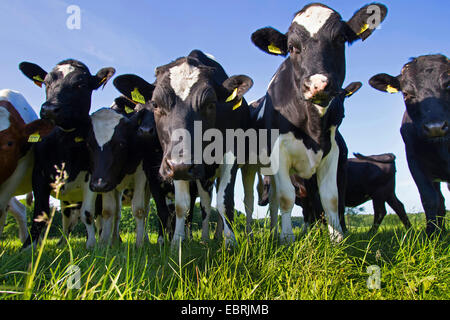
<point>181,171</point>
<point>436,129</point>
<point>317,89</point>
<point>100,185</point>
<point>49,111</point>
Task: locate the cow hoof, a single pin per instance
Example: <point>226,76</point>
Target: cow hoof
<point>177,240</point>
<point>287,237</point>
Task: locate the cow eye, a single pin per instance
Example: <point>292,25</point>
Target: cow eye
<point>408,95</point>
<point>294,50</point>
<point>10,143</point>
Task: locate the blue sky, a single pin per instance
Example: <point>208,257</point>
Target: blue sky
<point>137,36</point>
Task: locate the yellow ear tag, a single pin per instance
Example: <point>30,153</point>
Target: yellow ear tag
<point>364,28</point>
<point>103,80</point>
<point>349,94</point>
<point>274,49</point>
<point>237,105</point>
<point>78,139</point>
<point>137,96</point>
<point>38,80</point>
<point>232,96</point>
<point>128,109</point>
<point>35,137</point>
<point>391,89</point>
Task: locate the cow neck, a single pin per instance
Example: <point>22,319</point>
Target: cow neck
<point>78,133</point>
<point>303,120</point>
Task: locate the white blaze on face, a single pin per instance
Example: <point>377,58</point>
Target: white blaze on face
<point>65,69</point>
<point>4,119</point>
<point>182,78</point>
<point>313,18</point>
<point>104,122</point>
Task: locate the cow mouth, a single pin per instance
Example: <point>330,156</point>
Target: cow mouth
<point>322,99</point>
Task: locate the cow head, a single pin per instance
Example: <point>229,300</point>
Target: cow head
<point>68,90</point>
<point>315,43</point>
<point>139,92</point>
<point>424,83</point>
<point>188,91</point>
<point>14,135</point>
<point>111,143</point>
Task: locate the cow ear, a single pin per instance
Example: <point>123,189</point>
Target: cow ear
<point>33,72</point>
<point>38,128</point>
<point>237,86</point>
<point>366,20</point>
<point>134,88</point>
<point>102,77</point>
<point>270,41</point>
<point>352,88</point>
<point>123,105</point>
<point>386,83</point>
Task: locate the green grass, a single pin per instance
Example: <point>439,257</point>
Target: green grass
<point>412,265</point>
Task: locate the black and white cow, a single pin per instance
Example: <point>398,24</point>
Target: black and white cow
<point>368,178</point>
<point>68,90</point>
<point>191,95</point>
<point>424,82</point>
<point>300,102</point>
<point>134,87</point>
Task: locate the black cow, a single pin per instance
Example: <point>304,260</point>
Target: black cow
<point>301,102</point>
<point>68,89</point>
<point>368,178</point>
<point>424,82</point>
<point>191,95</point>
<point>140,91</point>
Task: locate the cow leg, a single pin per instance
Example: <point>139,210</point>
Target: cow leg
<point>205,204</point>
<point>87,214</point>
<point>399,209</point>
<point>19,212</point>
<point>285,198</point>
<point>3,213</point>
<point>273,208</point>
<point>429,195</point>
<point>248,180</point>
<point>441,211</point>
<point>379,209</point>
<point>182,203</point>
<point>138,205</point>
<point>41,191</point>
<point>161,208</point>
<point>328,190</point>
<point>109,211</point>
<point>225,195</point>
<point>117,216</point>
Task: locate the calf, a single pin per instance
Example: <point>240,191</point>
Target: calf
<point>191,95</point>
<point>424,82</point>
<point>68,88</point>
<point>301,102</point>
<point>17,122</point>
<point>368,178</point>
<point>162,191</point>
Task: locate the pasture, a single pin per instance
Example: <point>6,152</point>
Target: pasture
<point>412,266</point>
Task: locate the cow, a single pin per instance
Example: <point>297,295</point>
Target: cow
<point>368,178</point>
<point>191,95</point>
<point>68,88</point>
<point>18,122</point>
<point>301,102</point>
<point>116,163</point>
<point>424,83</point>
<point>162,191</point>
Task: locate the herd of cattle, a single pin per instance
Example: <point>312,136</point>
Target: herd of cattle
<point>130,146</point>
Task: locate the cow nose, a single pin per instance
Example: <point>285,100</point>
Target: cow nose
<point>49,110</point>
<point>436,129</point>
<point>99,185</point>
<point>146,131</point>
<point>181,171</point>
<point>314,85</point>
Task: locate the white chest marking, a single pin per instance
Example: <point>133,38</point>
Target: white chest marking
<point>4,119</point>
<point>65,69</point>
<point>313,18</point>
<point>104,122</point>
<point>297,156</point>
<point>182,78</point>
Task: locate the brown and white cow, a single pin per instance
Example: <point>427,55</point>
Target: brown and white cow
<point>17,122</point>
